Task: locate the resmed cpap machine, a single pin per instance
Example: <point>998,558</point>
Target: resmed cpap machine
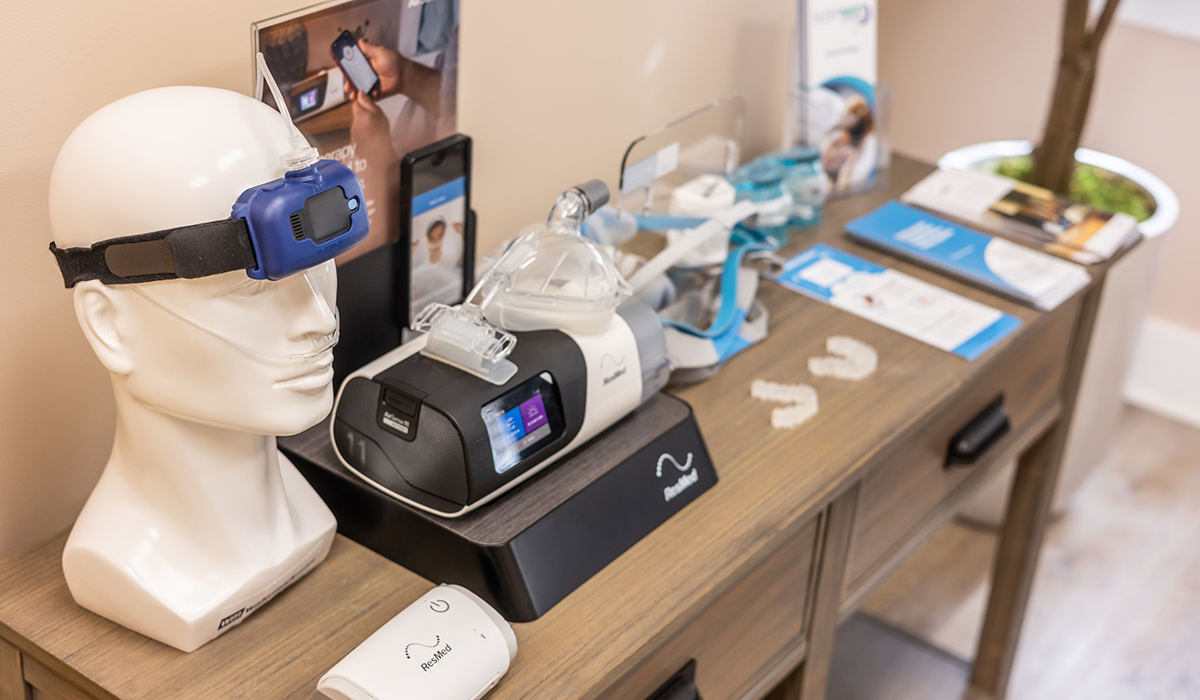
<point>316,94</point>
<point>548,352</point>
<point>446,441</point>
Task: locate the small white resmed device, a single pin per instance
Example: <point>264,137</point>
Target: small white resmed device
<point>449,645</point>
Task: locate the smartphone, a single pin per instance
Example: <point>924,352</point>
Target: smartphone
<point>437,226</point>
<point>354,64</point>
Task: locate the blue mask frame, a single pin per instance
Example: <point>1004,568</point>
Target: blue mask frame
<point>277,229</point>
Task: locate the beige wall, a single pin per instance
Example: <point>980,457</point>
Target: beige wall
<point>966,72</point>
<point>552,91</point>
<point>560,104</point>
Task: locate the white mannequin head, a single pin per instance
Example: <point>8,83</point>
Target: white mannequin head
<point>196,512</point>
<point>174,157</point>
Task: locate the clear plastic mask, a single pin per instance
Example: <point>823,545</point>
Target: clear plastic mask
<point>552,277</point>
<point>292,318</point>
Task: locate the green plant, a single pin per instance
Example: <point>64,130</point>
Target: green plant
<point>1091,185</point>
<point>1108,192</point>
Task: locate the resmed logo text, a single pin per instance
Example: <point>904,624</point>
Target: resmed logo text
<point>614,376</point>
<point>437,656</point>
<point>685,480</point>
<point>678,487</point>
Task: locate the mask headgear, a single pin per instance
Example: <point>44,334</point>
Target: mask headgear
<point>312,214</point>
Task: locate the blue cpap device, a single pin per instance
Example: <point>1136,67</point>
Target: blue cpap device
<point>303,219</point>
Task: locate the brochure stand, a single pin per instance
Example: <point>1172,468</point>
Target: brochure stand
<point>705,141</point>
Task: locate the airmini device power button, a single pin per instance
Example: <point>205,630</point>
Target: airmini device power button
<point>439,606</point>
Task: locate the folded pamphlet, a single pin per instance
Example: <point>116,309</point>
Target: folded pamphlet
<point>1058,224</point>
<point>897,301</point>
<point>1026,275</point>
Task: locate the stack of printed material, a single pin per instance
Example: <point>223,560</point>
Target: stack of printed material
<point>897,301</point>
<point>1028,276</point>
<point>1058,224</point>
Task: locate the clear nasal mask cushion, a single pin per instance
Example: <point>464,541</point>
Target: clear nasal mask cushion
<point>261,317</point>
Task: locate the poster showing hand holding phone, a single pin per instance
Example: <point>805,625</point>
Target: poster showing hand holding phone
<point>366,82</point>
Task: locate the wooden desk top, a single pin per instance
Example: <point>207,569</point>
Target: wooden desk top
<point>772,482</point>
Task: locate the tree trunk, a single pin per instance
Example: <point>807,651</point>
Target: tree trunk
<point>1054,157</point>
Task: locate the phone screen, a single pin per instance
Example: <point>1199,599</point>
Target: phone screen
<point>354,63</point>
<point>439,219</point>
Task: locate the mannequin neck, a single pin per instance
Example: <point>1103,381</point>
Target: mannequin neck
<point>217,486</point>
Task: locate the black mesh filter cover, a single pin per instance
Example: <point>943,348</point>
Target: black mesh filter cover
<point>435,452</point>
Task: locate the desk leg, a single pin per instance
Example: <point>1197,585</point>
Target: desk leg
<point>1016,562</point>
<point>810,680</point>
<point>12,680</point>
<point>1025,524</point>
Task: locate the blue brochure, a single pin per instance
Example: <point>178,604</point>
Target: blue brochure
<point>898,301</point>
<point>998,265</point>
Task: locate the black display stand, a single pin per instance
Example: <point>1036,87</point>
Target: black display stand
<point>531,547</point>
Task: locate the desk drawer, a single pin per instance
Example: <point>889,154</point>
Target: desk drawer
<point>912,483</point>
<point>737,638</point>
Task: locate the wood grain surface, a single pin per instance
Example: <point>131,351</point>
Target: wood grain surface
<point>773,483</point>
<point>740,635</point>
<point>1025,522</point>
<point>939,593</point>
<point>12,678</point>
<point>291,642</point>
<point>46,685</point>
<point>914,479</point>
<point>839,523</point>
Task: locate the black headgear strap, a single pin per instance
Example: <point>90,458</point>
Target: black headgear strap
<point>186,252</point>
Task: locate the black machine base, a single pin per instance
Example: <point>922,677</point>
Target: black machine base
<point>531,547</point>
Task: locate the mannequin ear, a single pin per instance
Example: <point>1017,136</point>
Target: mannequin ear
<point>96,309</point>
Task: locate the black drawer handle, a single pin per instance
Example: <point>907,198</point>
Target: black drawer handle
<point>681,686</point>
<point>969,443</point>
<point>680,689</point>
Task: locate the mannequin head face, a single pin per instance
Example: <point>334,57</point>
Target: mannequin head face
<point>226,350</point>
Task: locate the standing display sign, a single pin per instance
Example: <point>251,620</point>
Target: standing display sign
<point>368,81</point>
<point>835,103</point>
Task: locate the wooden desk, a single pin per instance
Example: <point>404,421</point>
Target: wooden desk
<point>751,580</point>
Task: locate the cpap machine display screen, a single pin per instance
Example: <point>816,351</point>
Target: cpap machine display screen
<point>523,421</point>
<point>308,100</point>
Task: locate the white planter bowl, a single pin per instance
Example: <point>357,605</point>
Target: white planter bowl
<point>1123,306</point>
<point>1166,210</point>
